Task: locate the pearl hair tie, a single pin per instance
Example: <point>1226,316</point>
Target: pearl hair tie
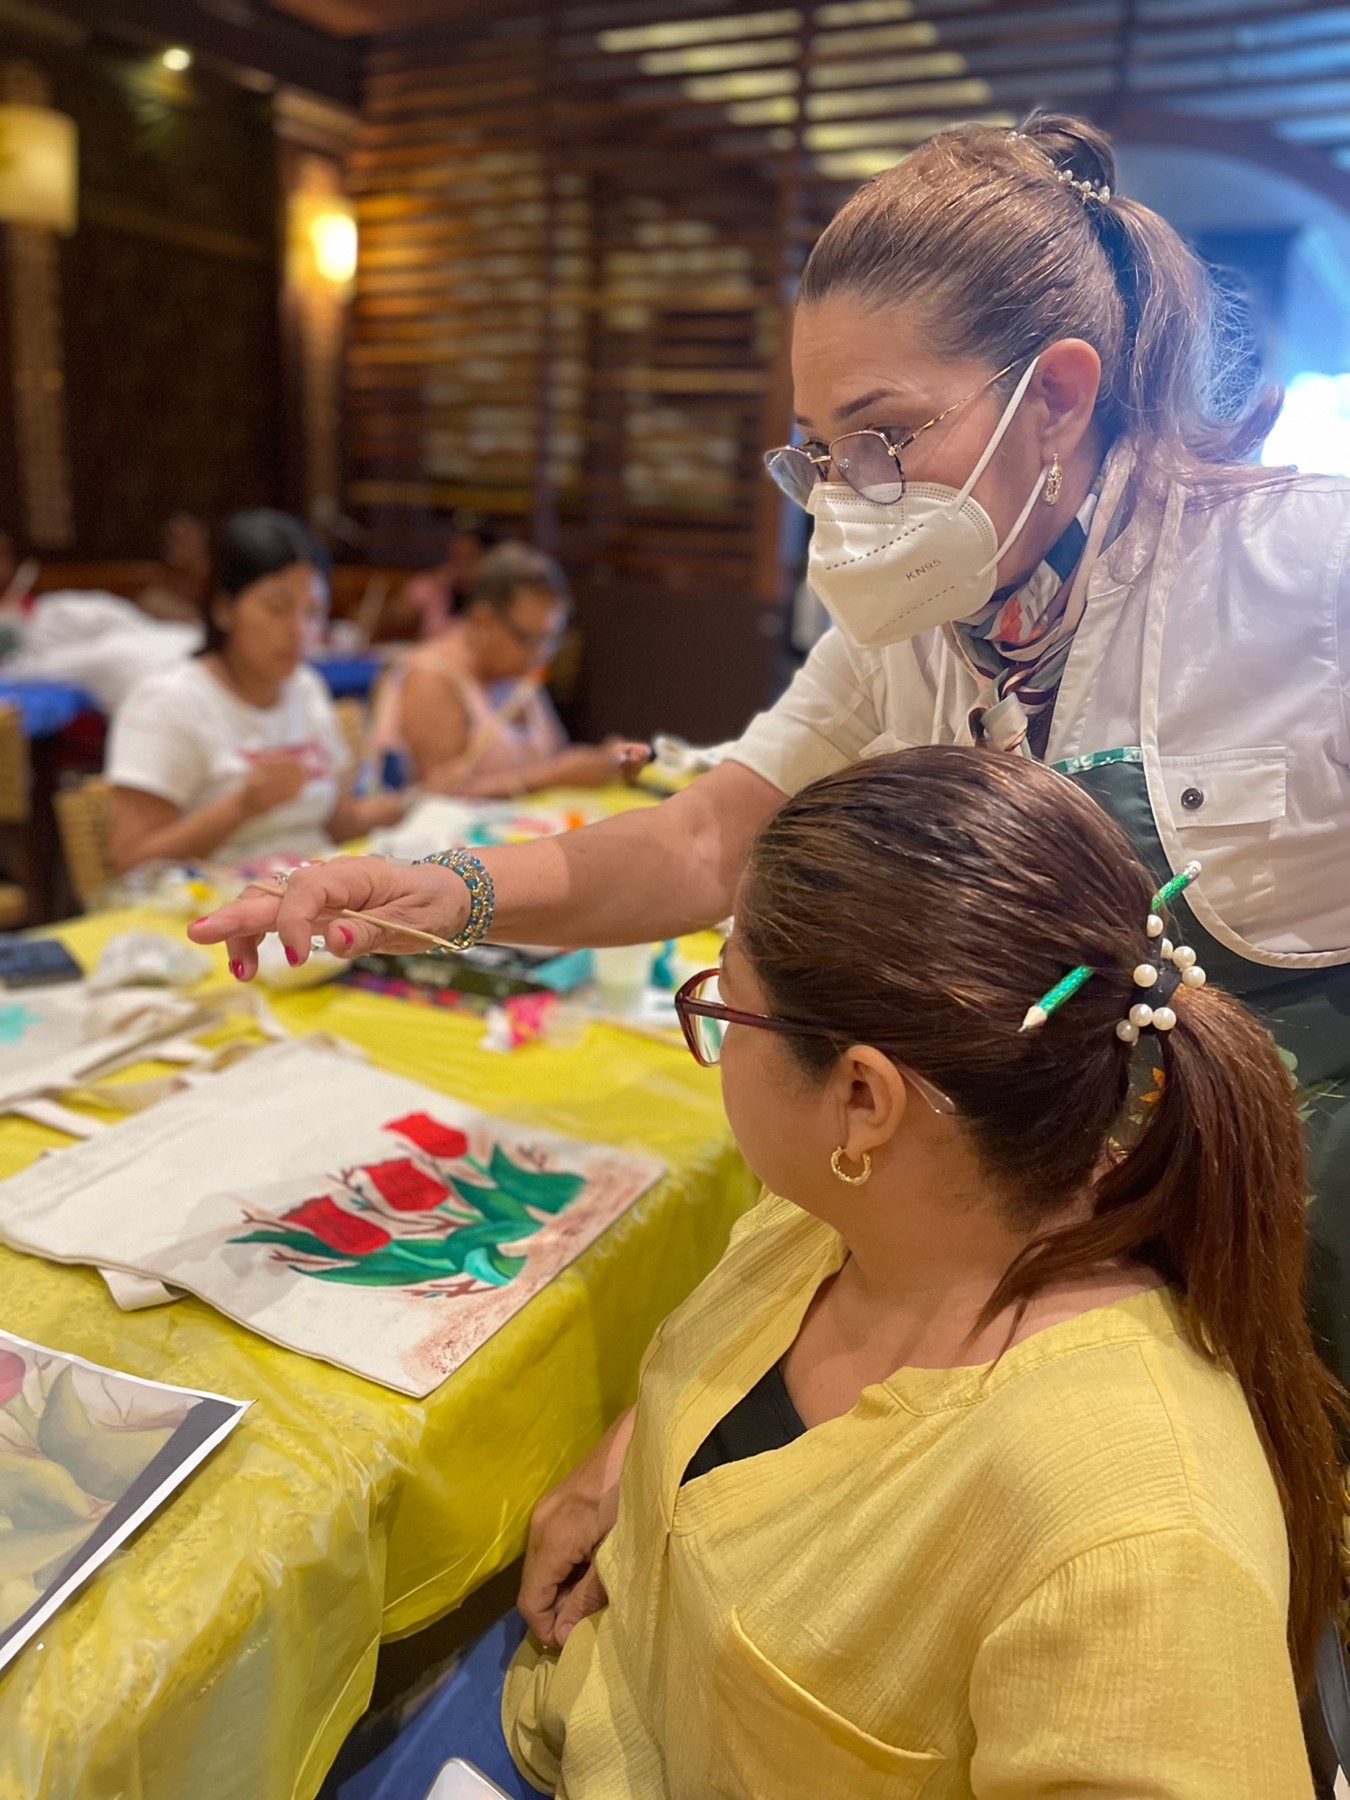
<point>1141,1015</point>
<point>1084,189</point>
<point>1182,958</point>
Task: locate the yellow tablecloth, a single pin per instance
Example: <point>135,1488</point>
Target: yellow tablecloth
<point>225,1653</point>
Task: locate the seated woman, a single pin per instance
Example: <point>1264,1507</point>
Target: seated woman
<point>237,753</point>
<point>994,1458</point>
<point>467,710</point>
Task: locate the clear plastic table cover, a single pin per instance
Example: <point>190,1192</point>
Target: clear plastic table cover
<point>226,1651</point>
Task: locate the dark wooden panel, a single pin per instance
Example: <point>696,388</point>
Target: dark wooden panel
<point>182,413</point>
<point>168,295</point>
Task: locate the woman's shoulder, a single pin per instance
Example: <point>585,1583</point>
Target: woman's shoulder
<point>308,687</point>
<point>1300,513</point>
<point>773,1246</point>
<point>1114,1426</point>
<point>439,664</point>
<point>181,688</point>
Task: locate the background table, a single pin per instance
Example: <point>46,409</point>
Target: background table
<point>226,1652</point>
<point>348,674</point>
<point>46,707</point>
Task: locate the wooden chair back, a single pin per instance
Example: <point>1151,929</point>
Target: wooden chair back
<point>82,818</point>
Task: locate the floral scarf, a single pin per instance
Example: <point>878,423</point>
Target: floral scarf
<point>1021,640</point>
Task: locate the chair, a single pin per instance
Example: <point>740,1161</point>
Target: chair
<point>82,817</point>
<point>351,716</point>
<point>1328,1735</point>
<point>16,806</point>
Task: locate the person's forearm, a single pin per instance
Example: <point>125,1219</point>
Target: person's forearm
<point>643,876</point>
<point>595,1479</point>
<point>606,1467</point>
<point>196,834</point>
<point>507,784</point>
<point>355,815</point>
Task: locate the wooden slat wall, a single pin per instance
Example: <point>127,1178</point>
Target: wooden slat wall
<point>579,232</point>
<point>567,314</point>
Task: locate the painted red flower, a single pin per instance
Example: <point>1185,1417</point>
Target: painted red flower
<point>405,1187</point>
<point>12,1371</point>
<point>340,1230</point>
<point>430,1135</point>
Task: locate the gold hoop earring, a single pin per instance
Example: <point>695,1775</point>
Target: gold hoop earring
<point>1054,483</point>
<point>861,1178</point>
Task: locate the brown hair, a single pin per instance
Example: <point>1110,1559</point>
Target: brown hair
<point>921,903</point>
<point>1005,259</point>
<point>512,568</point>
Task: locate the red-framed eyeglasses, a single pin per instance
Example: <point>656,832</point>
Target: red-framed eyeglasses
<point>704,1019</point>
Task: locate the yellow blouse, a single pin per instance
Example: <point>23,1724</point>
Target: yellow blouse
<point>1064,1574</point>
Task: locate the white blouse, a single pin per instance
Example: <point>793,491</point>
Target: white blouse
<point>1216,647</point>
<point>184,736</point>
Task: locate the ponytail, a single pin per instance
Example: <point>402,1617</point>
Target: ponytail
<point>1182,393</point>
<point>1213,1197</point>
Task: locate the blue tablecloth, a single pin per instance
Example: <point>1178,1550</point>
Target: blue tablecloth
<point>348,674</point>
<point>46,707</point>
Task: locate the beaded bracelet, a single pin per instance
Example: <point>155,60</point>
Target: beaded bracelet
<point>482,895</point>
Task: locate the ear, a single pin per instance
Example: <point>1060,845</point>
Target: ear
<point>1063,396</point>
<point>872,1098</point>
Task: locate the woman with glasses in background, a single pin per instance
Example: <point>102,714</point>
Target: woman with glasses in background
<point>466,713</point>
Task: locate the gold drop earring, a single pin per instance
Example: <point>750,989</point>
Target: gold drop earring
<point>1054,483</point>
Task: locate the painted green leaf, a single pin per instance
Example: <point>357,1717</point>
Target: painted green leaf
<point>302,1241</point>
<point>493,1266</point>
<point>474,1249</point>
<point>547,1190</point>
<point>452,1250</point>
<point>492,1203</point>
<point>371,1271</point>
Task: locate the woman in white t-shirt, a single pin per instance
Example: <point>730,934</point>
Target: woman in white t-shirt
<point>238,753</point>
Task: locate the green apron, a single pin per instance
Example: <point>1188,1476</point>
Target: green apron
<point>1307,1013</point>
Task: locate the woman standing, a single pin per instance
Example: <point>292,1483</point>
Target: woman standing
<point>1034,529</point>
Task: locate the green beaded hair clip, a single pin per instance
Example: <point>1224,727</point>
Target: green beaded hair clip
<point>1162,1018</point>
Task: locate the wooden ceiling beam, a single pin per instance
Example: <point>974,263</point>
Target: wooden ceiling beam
<point>243,40</point>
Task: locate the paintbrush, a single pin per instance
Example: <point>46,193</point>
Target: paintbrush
<point>367,918</point>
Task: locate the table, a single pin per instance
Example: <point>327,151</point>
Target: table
<point>347,675</point>
<point>46,707</point>
<point>227,1650</point>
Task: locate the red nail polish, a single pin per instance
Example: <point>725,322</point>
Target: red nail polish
<point>292,956</point>
<point>347,937</point>
<point>237,970</point>
<point>202,920</point>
